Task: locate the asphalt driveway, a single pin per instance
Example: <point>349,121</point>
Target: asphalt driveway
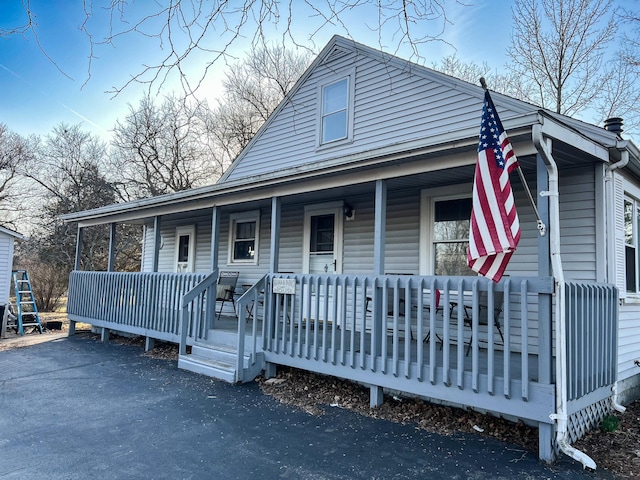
<point>75,408</point>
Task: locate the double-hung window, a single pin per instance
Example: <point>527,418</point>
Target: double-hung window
<point>336,110</point>
<point>450,239</point>
<point>244,231</point>
<point>445,215</point>
<point>632,243</point>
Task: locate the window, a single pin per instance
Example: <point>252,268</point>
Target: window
<point>244,231</point>
<point>185,249</point>
<point>450,236</point>
<point>631,243</point>
<point>336,110</point>
<point>322,229</point>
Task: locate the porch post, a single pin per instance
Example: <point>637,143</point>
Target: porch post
<point>156,242</point>
<point>215,238</point>
<point>112,248</point>
<point>379,242</point>
<point>546,431</point>
<point>78,248</point>
<point>380,227</point>
<point>274,260</point>
<point>213,263</point>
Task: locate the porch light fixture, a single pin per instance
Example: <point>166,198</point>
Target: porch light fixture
<point>348,211</point>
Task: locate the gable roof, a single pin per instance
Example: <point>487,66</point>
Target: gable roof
<point>418,95</point>
<point>443,115</point>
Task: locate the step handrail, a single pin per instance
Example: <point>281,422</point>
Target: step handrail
<point>251,295</point>
<point>189,297</point>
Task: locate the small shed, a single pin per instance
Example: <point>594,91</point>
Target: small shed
<point>7,241</point>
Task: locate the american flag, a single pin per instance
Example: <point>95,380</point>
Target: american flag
<point>495,230</point>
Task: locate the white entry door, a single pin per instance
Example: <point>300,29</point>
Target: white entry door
<point>322,252</point>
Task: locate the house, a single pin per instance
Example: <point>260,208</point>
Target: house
<point>350,209</point>
<point>7,240</point>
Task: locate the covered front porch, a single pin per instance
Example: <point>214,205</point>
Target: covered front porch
<point>384,331</point>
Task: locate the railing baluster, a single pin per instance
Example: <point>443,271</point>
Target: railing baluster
<point>524,317</point>
<point>460,319</point>
<point>507,339</point>
<point>491,314</point>
<point>446,333</point>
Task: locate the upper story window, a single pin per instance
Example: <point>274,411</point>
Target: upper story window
<point>244,229</point>
<point>336,110</point>
<point>631,243</point>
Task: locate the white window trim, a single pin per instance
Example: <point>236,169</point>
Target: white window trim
<point>323,209</point>
<point>428,199</point>
<point>629,192</point>
<point>191,231</point>
<point>249,216</point>
<point>350,75</point>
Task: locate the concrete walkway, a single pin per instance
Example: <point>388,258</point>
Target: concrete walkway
<point>74,408</point>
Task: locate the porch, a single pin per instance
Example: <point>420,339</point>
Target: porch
<point>384,331</point>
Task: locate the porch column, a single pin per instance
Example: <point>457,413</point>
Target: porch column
<point>380,227</point>
<point>78,248</point>
<point>546,431</point>
<point>112,248</point>
<point>156,242</point>
<point>215,238</point>
<point>274,260</point>
<point>379,242</point>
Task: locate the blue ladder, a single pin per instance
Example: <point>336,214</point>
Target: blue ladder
<point>25,302</point>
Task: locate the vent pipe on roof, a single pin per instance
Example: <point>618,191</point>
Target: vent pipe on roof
<point>614,124</point>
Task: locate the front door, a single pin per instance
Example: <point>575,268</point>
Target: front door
<point>323,239</point>
<point>322,252</point>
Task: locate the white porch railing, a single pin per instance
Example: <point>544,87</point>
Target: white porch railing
<point>385,330</point>
<point>146,304</point>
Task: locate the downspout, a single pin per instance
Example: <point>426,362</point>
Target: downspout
<point>560,415</point>
<point>621,146</point>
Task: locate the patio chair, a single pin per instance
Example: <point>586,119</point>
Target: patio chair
<point>226,289</point>
<point>483,313</point>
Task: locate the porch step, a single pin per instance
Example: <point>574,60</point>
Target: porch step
<point>219,361</point>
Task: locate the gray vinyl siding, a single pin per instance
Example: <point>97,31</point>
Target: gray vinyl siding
<point>358,237</point>
<point>392,105</point>
<point>147,249</point>
<point>291,225</point>
<point>629,312</point>
<point>578,223</point>
<point>402,253</point>
<point>6,264</point>
<point>628,340</point>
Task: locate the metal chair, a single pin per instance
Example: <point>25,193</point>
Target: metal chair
<point>226,290</point>
<point>483,313</point>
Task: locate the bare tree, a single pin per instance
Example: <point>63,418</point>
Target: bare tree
<point>253,88</point>
<point>67,173</point>
<point>14,155</point>
<point>501,81</point>
<point>161,149</point>
<point>183,30</point>
<point>619,93</point>
<point>558,46</point>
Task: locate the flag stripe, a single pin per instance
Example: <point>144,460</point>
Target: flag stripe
<point>494,231</point>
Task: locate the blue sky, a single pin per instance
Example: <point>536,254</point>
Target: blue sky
<point>38,94</point>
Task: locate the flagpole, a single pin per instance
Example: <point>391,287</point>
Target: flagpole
<point>542,228</point>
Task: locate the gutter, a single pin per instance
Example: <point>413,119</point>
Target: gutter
<point>560,416</point>
<point>621,146</point>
